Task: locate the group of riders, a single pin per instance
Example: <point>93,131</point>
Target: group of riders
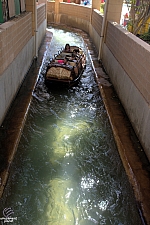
<point>75,54</point>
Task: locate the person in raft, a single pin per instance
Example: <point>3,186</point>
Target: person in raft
<point>67,48</point>
<point>63,61</point>
<point>66,61</point>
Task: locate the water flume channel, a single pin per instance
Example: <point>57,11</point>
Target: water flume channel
<point>67,170</point>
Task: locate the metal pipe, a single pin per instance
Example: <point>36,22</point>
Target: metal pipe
<point>35,31</point>
<point>103,30</point>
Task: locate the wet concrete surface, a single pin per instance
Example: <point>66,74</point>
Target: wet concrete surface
<point>134,160</point>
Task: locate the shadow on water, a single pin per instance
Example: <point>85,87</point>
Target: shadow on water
<point>67,170</point>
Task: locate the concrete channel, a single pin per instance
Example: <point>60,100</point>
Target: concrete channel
<point>133,158</point>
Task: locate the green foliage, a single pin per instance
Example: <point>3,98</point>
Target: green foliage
<point>146,37</point>
<point>102,7</point>
<point>139,13</point>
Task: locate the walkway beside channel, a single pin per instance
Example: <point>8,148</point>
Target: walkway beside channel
<point>131,153</point>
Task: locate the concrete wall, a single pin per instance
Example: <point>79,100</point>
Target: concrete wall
<point>50,12</point>
<point>126,59</point>
<point>17,51</point>
<point>96,27</point>
<point>13,37</point>
<point>75,15</point>
<point>13,76</point>
<point>41,22</point>
<point>15,56</point>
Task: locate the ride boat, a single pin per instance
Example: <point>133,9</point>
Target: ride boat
<point>66,67</point>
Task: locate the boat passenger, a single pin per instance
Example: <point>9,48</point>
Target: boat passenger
<point>67,48</point>
<point>66,61</point>
<point>76,50</point>
<point>74,55</point>
<point>60,61</point>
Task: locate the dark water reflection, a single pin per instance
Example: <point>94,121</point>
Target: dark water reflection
<point>67,170</point>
